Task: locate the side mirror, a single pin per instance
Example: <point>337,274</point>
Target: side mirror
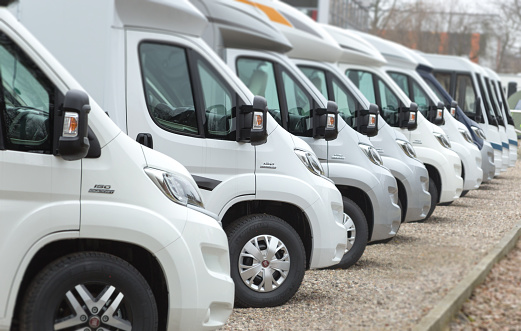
<point>452,107</point>
<point>72,127</point>
<point>367,120</point>
<point>439,117</point>
<point>251,122</point>
<point>325,122</point>
<point>408,117</point>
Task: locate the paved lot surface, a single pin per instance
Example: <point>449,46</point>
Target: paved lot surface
<point>395,284</point>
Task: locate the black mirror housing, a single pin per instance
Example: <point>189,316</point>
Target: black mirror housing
<point>251,122</point>
<point>408,117</point>
<point>72,127</point>
<point>325,122</point>
<point>367,120</point>
<point>438,116</point>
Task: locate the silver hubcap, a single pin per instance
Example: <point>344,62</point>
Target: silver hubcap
<point>351,232</point>
<point>264,263</point>
<point>80,310</point>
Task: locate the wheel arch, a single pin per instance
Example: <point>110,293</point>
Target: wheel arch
<point>435,176</point>
<point>288,212</point>
<point>137,256</point>
<point>363,201</point>
<point>402,196</point>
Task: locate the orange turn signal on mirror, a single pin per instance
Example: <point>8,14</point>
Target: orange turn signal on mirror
<point>70,124</point>
<point>372,120</point>
<point>330,121</point>
<point>258,120</point>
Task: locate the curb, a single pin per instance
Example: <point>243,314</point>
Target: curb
<point>441,315</point>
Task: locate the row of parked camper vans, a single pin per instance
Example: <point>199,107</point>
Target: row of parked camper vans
<point>224,147</point>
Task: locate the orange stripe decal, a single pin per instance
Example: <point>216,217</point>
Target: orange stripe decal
<point>274,15</point>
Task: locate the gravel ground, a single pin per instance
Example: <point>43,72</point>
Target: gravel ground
<point>395,284</point>
<point>495,304</point>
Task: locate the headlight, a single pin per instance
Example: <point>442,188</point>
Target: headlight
<point>443,140</point>
<point>176,187</point>
<point>372,154</point>
<point>407,148</point>
<point>479,132</point>
<point>466,135</point>
<point>311,162</point>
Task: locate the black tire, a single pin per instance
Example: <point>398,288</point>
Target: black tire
<point>250,292</point>
<point>361,235</point>
<point>464,193</point>
<point>433,190</point>
<point>48,299</point>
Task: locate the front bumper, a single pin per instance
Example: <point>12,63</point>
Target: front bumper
<point>487,161</point>
<point>197,268</point>
<point>452,183</point>
<point>471,158</point>
<point>330,239</point>
<point>387,213</point>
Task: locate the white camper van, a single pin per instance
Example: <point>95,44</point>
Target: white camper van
<point>163,85</point>
<point>461,78</point>
<point>401,67</point>
<point>369,190</point>
<point>507,122</point>
<point>430,142</point>
<point>96,230</point>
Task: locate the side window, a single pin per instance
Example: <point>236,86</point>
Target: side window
<point>345,101</point>
<point>318,78</point>
<point>466,94</point>
<point>218,103</point>
<point>389,103</point>
<point>434,88</point>
<point>401,81</point>
<point>364,81</point>
<point>421,98</point>
<point>168,88</point>
<point>259,77</point>
<point>444,79</point>
<point>299,107</point>
<point>28,100</point>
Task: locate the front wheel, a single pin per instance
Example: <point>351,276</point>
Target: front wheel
<point>89,291</point>
<point>267,260</point>
<point>357,233</point>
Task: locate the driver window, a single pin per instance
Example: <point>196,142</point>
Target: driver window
<point>168,88</point>
<point>465,94</point>
<point>364,81</point>
<point>389,103</point>
<point>28,98</point>
<point>421,98</point>
<point>259,77</point>
<point>345,101</point>
<point>218,103</point>
<point>298,105</point>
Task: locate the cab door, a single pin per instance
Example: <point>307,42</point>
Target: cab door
<point>176,96</point>
<point>39,192</point>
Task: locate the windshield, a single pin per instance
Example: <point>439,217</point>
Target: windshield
<point>486,101</point>
<point>413,90</point>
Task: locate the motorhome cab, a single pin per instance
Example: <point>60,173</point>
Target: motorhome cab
<point>401,67</point>
<point>166,87</point>
<point>430,142</point>
<point>396,151</point>
<point>97,231</point>
<point>459,77</point>
<point>507,120</point>
<point>487,152</point>
<point>369,190</point>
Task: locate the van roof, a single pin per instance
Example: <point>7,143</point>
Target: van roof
<point>449,62</point>
<point>394,53</point>
<point>355,49</point>
<point>240,24</point>
<point>309,40</point>
<point>169,15</point>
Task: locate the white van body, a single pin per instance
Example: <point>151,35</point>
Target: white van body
<point>239,181</point>
<point>369,185</point>
<point>403,62</point>
<point>443,164</point>
<point>448,69</point>
<point>508,122</point>
<point>102,205</point>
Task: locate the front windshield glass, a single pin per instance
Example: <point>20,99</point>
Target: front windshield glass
<point>466,95</point>
<point>495,101</point>
<point>486,101</point>
<point>415,92</point>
